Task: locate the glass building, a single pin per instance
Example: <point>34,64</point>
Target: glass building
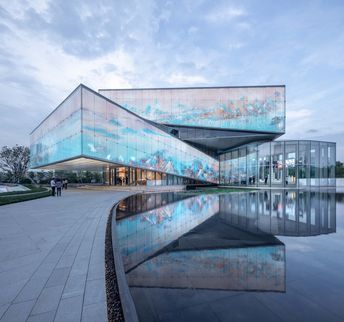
<point>281,164</point>
<point>176,136</point>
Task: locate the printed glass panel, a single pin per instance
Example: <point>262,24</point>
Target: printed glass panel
<point>58,137</point>
<point>111,133</point>
<point>245,108</point>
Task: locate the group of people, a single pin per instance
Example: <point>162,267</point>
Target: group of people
<point>57,185</point>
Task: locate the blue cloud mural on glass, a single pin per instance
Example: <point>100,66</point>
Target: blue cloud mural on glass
<point>141,235</point>
<point>132,141</point>
<point>259,108</point>
<point>86,124</point>
<point>58,137</point>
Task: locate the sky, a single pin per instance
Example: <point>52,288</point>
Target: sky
<point>47,48</point>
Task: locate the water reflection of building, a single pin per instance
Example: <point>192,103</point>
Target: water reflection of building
<point>145,202</point>
<point>219,241</point>
<point>216,255</point>
<point>145,233</point>
<point>281,212</point>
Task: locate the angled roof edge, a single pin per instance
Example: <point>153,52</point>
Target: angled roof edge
<point>192,87</point>
<point>69,95</point>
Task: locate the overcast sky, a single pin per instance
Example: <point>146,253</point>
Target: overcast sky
<point>48,47</point>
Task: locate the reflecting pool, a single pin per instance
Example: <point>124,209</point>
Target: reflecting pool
<point>274,255</point>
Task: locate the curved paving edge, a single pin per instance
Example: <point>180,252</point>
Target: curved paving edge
<point>121,288</point>
<point>114,306</point>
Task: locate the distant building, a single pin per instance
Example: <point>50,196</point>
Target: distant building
<point>173,136</point>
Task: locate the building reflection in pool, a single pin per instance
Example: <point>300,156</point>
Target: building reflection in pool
<point>222,241</point>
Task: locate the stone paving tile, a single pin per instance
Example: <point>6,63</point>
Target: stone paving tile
<point>18,312</point>
<point>44,270</point>
<point>3,309</point>
<point>66,261</point>
<point>75,285</point>
<point>69,309</point>
<point>31,290</point>
<point>48,300</point>
<point>43,317</point>
<point>52,253</point>
<point>17,274</point>
<point>80,265</point>
<point>9,292</point>
<point>8,265</point>
<point>96,271</point>
<point>16,246</point>
<point>58,277</point>
<point>94,312</point>
<point>94,291</point>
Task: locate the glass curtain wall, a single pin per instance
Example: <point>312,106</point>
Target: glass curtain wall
<point>331,164</point>
<point>281,164</point>
<point>128,176</point>
<point>277,161</point>
<point>58,137</point>
<point>113,134</point>
<point>304,163</point>
<point>252,165</point>
<point>290,163</point>
<point>259,108</point>
<point>315,170</point>
<point>264,152</point>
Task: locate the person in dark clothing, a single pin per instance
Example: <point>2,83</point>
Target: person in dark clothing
<point>53,186</point>
<point>58,187</point>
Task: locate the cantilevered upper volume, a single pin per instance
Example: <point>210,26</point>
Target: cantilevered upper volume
<point>251,108</point>
<point>88,128</point>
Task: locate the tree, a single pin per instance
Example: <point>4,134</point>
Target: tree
<point>339,169</point>
<point>40,177</point>
<point>15,162</point>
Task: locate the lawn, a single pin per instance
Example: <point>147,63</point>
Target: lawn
<point>18,196</point>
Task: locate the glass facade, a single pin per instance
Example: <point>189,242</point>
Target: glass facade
<point>260,108</point>
<point>58,137</point>
<point>90,126</point>
<point>90,130</point>
<point>280,163</point>
<point>128,176</point>
<point>111,133</point>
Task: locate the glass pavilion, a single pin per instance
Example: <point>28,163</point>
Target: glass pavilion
<point>178,136</point>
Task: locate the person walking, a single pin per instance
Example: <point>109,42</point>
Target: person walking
<point>65,183</point>
<point>58,187</point>
<point>53,186</point>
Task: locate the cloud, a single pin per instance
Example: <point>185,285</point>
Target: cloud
<point>224,14</point>
<point>300,114</point>
<point>180,79</point>
<point>193,30</point>
<point>48,47</point>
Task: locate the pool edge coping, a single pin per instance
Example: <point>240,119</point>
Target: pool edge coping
<point>125,298</point>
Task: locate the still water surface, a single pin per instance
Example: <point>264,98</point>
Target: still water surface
<point>249,256</point>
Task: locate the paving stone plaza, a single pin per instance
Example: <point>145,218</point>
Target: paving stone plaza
<point>52,257</point>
